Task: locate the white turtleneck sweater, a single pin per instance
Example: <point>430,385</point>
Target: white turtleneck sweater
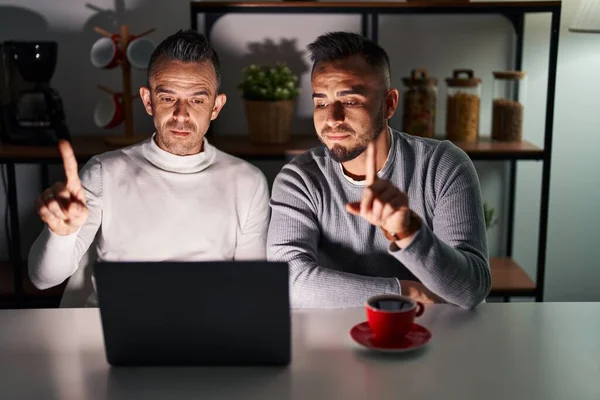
<point>146,204</point>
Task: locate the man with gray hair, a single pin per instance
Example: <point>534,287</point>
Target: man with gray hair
<point>171,197</point>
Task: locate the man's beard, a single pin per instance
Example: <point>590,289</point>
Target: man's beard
<point>343,154</point>
<point>177,146</point>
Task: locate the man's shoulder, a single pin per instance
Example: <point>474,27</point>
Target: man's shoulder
<point>120,154</point>
<point>116,159</point>
<point>432,150</point>
<point>237,166</point>
<point>313,159</point>
<point>312,164</point>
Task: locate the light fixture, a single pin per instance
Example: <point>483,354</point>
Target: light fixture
<point>587,19</point>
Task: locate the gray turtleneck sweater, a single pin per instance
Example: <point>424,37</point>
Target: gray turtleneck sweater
<point>339,260</point>
<point>146,204</point>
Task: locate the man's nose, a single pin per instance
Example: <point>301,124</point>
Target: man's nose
<point>335,114</point>
<point>180,112</point>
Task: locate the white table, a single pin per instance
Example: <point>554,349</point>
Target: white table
<point>498,351</point>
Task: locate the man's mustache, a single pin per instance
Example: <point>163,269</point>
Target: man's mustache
<point>339,129</point>
<point>184,128</point>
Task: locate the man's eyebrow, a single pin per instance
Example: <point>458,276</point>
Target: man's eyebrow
<point>162,89</point>
<point>360,90</point>
<point>357,89</point>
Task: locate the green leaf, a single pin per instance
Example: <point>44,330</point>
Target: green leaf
<point>269,82</point>
<point>489,216</point>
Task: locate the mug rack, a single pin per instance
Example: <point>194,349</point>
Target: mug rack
<point>123,39</point>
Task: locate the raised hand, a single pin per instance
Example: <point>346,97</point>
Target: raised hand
<point>382,203</point>
<point>63,206</point>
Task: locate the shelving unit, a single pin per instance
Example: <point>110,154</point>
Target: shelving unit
<point>86,146</point>
<point>509,279</point>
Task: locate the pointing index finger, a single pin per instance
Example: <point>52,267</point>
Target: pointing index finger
<point>69,163</point>
<point>371,166</point>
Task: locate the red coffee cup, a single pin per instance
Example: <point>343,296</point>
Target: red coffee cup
<point>110,111</point>
<point>106,52</point>
<point>391,316</point>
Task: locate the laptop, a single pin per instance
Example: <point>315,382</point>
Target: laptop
<point>194,313</point>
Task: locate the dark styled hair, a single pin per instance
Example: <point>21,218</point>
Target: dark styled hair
<point>186,46</point>
<point>339,45</point>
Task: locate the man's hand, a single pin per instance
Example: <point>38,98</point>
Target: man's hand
<point>63,206</point>
<point>418,292</point>
<point>382,203</point>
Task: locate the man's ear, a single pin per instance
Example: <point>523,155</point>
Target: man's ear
<point>146,99</point>
<point>391,103</point>
<point>219,103</point>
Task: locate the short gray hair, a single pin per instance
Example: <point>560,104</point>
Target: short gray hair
<point>186,46</point>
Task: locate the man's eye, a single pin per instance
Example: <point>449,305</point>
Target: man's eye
<point>167,99</point>
<point>351,103</point>
<point>320,105</point>
<point>198,101</point>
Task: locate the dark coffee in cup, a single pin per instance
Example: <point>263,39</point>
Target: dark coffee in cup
<point>391,303</point>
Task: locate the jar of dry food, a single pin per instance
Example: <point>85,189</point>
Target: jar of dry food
<point>463,106</point>
<point>420,99</point>
<point>507,105</point>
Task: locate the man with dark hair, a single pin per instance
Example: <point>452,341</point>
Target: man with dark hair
<point>375,210</point>
<point>171,197</point>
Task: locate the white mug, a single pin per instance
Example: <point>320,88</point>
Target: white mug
<point>106,52</point>
<point>139,51</point>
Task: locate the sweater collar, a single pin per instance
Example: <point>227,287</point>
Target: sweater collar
<point>180,164</point>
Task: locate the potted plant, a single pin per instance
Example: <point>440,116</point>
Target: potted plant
<point>269,93</point>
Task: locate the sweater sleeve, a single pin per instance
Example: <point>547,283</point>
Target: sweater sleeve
<point>54,258</point>
<point>252,237</point>
<point>451,258</point>
<point>293,238</point>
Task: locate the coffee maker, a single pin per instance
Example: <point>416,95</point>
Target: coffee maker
<point>31,111</point>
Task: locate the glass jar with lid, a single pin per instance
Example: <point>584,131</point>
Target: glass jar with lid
<point>507,105</point>
<point>420,99</point>
<point>463,106</point>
